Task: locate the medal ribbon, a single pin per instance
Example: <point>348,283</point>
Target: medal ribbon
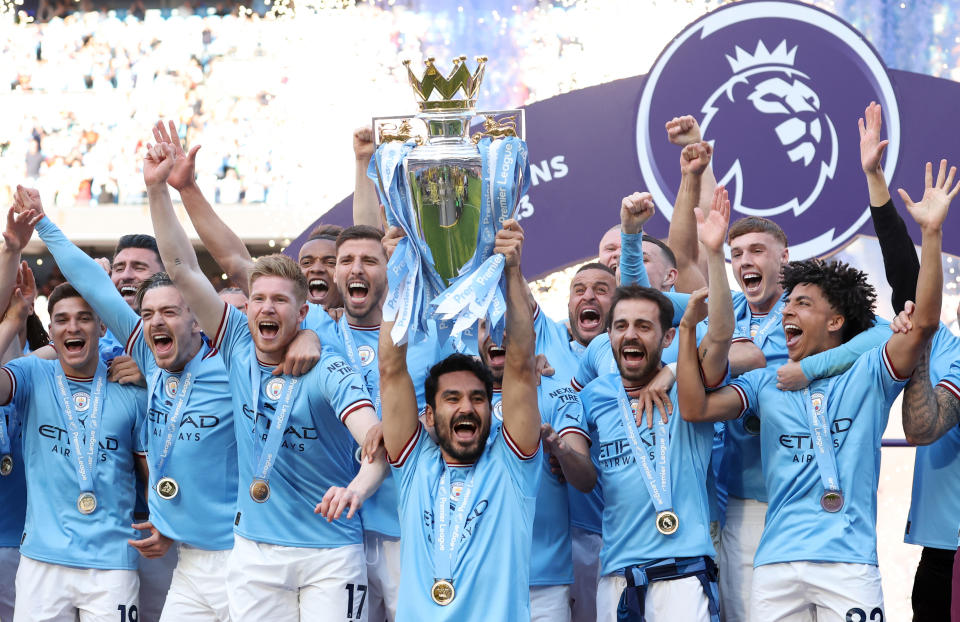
<point>447,529</point>
<point>265,455</point>
<point>85,457</point>
<point>822,442</point>
<point>353,354</point>
<point>173,419</point>
<point>657,476</point>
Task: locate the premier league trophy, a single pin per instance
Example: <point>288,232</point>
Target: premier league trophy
<point>450,192</point>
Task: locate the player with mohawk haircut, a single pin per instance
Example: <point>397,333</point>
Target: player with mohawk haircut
<point>817,556</point>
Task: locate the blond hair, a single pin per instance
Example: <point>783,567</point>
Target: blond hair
<point>283,267</point>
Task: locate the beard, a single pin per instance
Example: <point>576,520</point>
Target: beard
<point>461,453</point>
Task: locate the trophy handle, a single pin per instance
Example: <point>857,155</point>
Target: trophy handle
<point>500,123</point>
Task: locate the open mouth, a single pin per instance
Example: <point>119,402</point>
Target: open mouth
<point>74,345</point>
<point>752,282</point>
<point>793,333</point>
<point>465,428</point>
<point>633,354</point>
<point>497,356</point>
<point>128,290</point>
<point>162,344</point>
<point>268,329</point>
<point>318,287</point>
<point>589,318</point>
<point>357,290</point>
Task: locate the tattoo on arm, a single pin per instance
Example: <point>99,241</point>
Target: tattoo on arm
<point>177,261</point>
<point>928,412</point>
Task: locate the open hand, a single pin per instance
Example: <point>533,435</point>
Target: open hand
<point>931,210</point>
<point>335,501</point>
<point>712,228</point>
<point>184,165</point>
<point>871,147</point>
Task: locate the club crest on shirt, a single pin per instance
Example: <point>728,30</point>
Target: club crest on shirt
<point>170,386</point>
<point>819,401</point>
<point>275,388</point>
<point>754,328</point>
<point>81,401</point>
<point>498,411</point>
<point>456,491</point>
<point>634,404</point>
<point>367,354</point>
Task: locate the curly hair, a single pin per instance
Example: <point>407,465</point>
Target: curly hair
<point>844,287</point>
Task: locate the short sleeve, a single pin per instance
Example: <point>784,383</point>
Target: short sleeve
<point>21,371</point>
<point>951,381</point>
<point>524,469</point>
<point>565,410</point>
<point>342,387</point>
<point>747,387</point>
<point>586,370</point>
<point>231,333</point>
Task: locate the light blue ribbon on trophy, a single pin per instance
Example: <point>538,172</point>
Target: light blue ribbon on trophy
<point>478,292</point>
<point>656,470</point>
<point>85,457</point>
<point>186,383</point>
<point>411,279</point>
<point>265,455</point>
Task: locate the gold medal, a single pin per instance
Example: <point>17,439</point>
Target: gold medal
<point>832,501</point>
<point>667,522</point>
<point>6,465</point>
<point>259,490</point>
<point>167,488</point>
<point>442,592</point>
<point>86,503</point>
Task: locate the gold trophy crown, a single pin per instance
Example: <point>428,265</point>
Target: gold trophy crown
<point>459,80</point>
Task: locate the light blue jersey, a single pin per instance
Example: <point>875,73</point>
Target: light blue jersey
<point>555,343</point>
<point>320,322</point>
<point>203,460</point>
<point>630,534</point>
<point>552,561</point>
<point>856,406</point>
<point>935,503</point>
<point>55,531</point>
<point>13,487</point>
<point>491,569</point>
<point>316,452</point>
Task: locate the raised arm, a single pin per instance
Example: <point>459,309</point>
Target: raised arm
<point>900,261</point>
<point>18,308</point>
<point>694,402</point>
<point>683,131</point>
<point>929,411</point>
<point>16,236</point>
<point>714,348</point>
<point>397,395</point>
<point>176,252</point>
<point>635,211</point>
<point>225,247</point>
<point>521,413</point>
<point>904,349</point>
<point>87,276</point>
<point>682,237</point>
<point>366,204</point>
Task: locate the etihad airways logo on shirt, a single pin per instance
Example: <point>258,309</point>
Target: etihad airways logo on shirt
<point>293,436</point>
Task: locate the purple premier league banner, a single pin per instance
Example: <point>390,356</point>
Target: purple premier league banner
<point>777,87</point>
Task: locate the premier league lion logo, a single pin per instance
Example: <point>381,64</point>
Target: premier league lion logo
<point>780,111</point>
<point>771,100</point>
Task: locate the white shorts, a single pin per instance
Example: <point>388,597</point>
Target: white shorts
<point>825,592</point>
<point>667,601</point>
<point>738,545</point>
<point>550,603</point>
<point>272,582</point>
<point>383,576</point>
<point>55,593</point>
<point>155,576</point>
<point>9,559</point>
<point>198,591</point>
<point>586,573</point>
